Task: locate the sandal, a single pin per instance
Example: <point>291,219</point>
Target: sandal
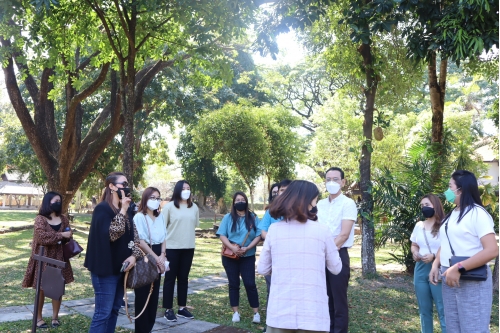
<point>55,323</point>
<point>44,325</point>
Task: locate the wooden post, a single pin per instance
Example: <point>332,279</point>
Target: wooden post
<point>41,259</point>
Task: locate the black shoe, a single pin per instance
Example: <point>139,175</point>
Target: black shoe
<point>44,325</point>
<point>55,323</point>
<point>264,330</point>
<point>185,313</point>
<point>170,316</point>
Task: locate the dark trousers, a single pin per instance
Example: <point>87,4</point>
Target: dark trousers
<point>180,265</point>
<point>245,267</point>
<point>145,323</point>
<point>336,286</point>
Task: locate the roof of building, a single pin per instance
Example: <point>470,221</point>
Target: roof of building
<point>12,188</point>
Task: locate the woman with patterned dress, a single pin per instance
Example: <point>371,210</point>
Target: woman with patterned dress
<point>49,232</point>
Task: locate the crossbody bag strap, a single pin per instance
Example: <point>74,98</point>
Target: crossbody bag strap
<point>446,230</point>
<point>246,237</point>
<point>149,232</point>
<point>426,241</point>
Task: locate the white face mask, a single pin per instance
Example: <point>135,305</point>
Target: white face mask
<point>153,204</point>
<point>333,187</point>
<point>185,194</point>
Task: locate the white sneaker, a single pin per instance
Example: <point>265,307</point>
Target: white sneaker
<point>256,318</point>
<point>236,317</point>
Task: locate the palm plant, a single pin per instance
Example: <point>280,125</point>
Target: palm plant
<point>397,194</point>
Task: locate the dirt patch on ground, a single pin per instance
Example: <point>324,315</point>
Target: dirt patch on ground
<point>391,280</point>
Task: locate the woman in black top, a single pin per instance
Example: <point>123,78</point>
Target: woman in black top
<point>112,244</point>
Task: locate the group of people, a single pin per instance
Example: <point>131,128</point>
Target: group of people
<point>467,231</point>
<point>305,258</point>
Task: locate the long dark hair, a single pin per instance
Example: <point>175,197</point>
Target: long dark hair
<point>294,202</point>
<point>270,198</point>
<point>143,205</point>
<point>45,209</point>
<point>438,212</point>
<point>249,216</point>
<point>176,196</point>
<point>107,195</point>
<point>467,183</point>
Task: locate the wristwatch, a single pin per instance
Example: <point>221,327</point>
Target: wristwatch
<point>461,269</point>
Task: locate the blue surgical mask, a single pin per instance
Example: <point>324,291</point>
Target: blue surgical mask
<point>450,195</point>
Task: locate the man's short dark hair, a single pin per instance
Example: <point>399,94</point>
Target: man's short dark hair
<point>336,169</point>
<point>285,183</point>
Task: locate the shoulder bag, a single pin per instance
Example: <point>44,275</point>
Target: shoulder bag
<point>71,249</point>
<point>475,274</point>
<point>143,273</point>
<point>226,252</point>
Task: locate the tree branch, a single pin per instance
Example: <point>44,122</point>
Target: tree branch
<point>124,24</point>
<point>84,63</point>
<point>102,17</point>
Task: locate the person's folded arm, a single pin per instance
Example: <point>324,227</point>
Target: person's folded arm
<point>345,231</point>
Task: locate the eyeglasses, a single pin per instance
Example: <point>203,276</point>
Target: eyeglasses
<point>155,198</point>
<point>125,184</point>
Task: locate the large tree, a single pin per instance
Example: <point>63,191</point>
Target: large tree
<point>65,53</point>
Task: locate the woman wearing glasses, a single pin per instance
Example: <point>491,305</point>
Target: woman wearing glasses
<point>112,248</point>
<point>181,218</point>
<point>152,231</point>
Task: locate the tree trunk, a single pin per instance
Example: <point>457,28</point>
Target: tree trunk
<point>495,276</point>
<point>128,106</point>
<point>221,206</point>
<point>368,231</point>
<point>437,92</point>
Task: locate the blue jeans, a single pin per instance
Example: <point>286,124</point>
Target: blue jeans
<point>108,290</point>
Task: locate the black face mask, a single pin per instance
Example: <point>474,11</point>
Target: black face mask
<point>125,190</point>
<point>56,207</point>
<point>428,212</point>
<point>241,206</point>
<point>314,210</point>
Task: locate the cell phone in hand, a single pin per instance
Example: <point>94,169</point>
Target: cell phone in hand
<point>124,266</point>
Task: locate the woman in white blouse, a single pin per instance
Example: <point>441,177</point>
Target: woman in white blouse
<point>467,232</point>
<point>152,231</point>
<point>425,242</point>
<point>296,252</point>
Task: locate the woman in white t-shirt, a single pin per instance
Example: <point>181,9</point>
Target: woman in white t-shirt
<point>152,231</point>
<point>425,244</point>
<point>469,230</point>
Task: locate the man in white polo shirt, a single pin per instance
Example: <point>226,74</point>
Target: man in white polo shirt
<point>338,212</point>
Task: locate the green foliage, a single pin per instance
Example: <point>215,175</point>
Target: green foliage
<point>232,135</point>
<point>201,172</point>
<point>489,197</point>
<point>397,196</point>
<point>252,140</point>
<point>459,30</point>
<point>16,152</point>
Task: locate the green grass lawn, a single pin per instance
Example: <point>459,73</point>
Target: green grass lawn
<point>69,324</point>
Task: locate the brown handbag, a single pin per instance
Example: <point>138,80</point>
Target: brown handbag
<point>230,254</point>
<point>71,249</point>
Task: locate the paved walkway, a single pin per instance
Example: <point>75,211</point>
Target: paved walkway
<point>86,307</point>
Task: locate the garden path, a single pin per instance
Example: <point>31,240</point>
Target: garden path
<point>86,307</point>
